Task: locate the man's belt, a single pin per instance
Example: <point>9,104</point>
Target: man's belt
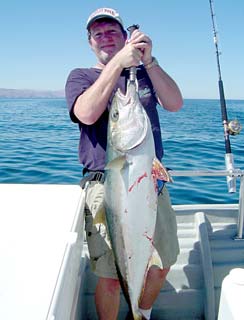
<point>89,175</point>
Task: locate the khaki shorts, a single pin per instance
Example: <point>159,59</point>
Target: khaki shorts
<point>101,256</point>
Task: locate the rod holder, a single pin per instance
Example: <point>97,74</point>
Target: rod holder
<point>240,223</point>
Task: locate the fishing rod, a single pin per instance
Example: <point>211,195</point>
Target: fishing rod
<point>132,69</point>
<point>230,127</point>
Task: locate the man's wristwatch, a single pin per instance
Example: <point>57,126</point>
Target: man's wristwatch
<point>153,63</point>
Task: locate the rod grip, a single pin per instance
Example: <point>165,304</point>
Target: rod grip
<point>229,164</point>
<point>132,69</point>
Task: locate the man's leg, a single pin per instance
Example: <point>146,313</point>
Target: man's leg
<point>107,298</point>
<point>107,294</point>
<point>154,282</point>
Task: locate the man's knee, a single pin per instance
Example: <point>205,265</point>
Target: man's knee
<point>163,272</point>
<point>110,285</point>
<point>159,273</point>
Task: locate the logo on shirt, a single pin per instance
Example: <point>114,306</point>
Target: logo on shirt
<point>143,93</point>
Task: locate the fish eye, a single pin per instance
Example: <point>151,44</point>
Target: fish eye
<point>115,115</point>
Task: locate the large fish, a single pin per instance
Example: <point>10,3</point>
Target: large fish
<point>131,191</point>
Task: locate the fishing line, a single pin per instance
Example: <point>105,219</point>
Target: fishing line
<point>230,127</point>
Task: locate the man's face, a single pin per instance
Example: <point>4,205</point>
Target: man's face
<point>106,39</point>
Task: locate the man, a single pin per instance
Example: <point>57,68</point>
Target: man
<point>89,92</point>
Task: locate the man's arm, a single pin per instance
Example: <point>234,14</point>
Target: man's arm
<point>91,104</point>
<point>168,93</point>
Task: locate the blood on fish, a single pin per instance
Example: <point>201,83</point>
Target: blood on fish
<point>148,237</point>
<point>139,179</point>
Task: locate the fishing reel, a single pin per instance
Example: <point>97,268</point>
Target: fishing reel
<point>234,127</point>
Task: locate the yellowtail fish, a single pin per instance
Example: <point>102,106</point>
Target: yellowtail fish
<point>131,175</point>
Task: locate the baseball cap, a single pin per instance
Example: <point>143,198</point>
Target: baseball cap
<point>104,13</point>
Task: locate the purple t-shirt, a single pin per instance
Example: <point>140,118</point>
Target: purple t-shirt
<point>93,138</point>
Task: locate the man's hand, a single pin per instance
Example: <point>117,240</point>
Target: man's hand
<point>142,42</point>
<point>137,49</point>
<point>129,56</point>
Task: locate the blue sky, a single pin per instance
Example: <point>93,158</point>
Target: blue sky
<point>42,41</point>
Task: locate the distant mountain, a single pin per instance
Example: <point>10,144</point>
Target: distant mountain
<point>22,93</point>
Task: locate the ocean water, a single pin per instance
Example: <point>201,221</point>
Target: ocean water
<point>39,144</point>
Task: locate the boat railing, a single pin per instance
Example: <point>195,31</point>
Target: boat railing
<point>235,174</point>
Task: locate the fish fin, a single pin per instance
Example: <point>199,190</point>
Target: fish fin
<point>117,163</point>
<point>159,171</point>
<point>155,260</point>
<point>100,216</point>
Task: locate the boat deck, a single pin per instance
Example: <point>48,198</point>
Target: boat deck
<point>208,251</point>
